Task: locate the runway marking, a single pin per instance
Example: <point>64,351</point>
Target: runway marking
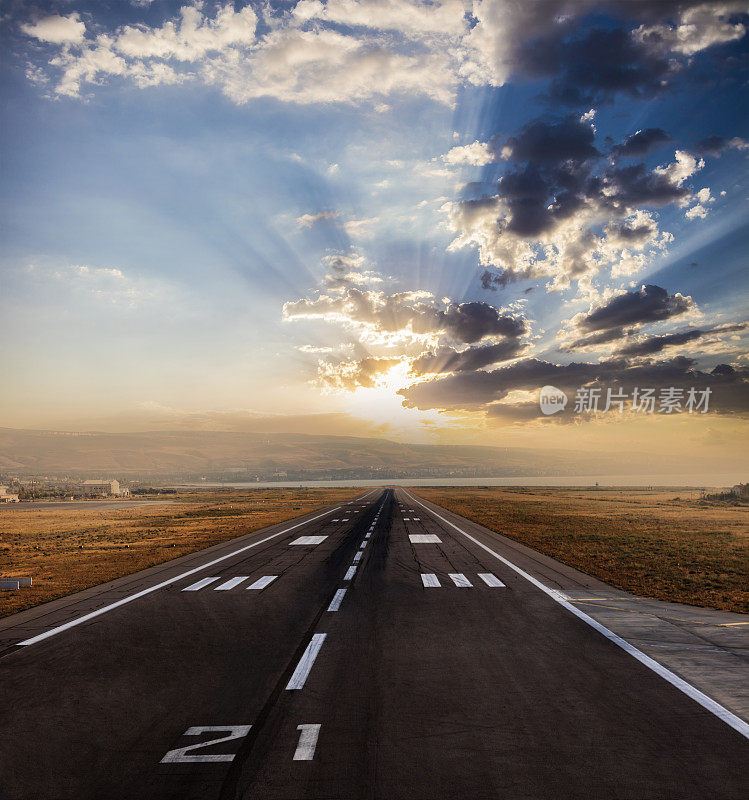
<point>179,756</point>
<point>417,519</point>
<point>349,574</point>
<point>305,750</point>
<point>490,580</point>
<point>369,533</point>
<point>261,583</point>
<point>406,519</point>
<point>424,538</point>
<point>309,540</point>
<point>459,579</point>
<point>706,702</point>
<point>301,673</point>
<point>230,584</point>
<point>357,557</point>
<point>430,580</point>
<point>194,588</point>
<point>335,520</point>
<point>86,617</point>
<point>335,603</point>
<point>363,545</point>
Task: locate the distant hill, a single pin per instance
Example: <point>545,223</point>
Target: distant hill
<point>242,455</point>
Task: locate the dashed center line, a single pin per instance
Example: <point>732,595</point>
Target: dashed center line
<point>303,668</point>
<point>335,603</point>
<point>349,573</point>
<point>357,557</point>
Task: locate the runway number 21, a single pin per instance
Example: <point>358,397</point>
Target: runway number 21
<point>180,755</point>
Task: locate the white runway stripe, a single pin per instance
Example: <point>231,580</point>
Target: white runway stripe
<point>301,673</point>
<point>335,603</point>
<point>459,579</point>
<point>230,584</point>
<point>199,585</point>
<point>357,557</point>
<point>489,579</point>
<point>424,538</point>
<point>430,580</point>
<point>349,574</point>
<point>261,583</point>
<point>305,750</point>
<point>309,540</point>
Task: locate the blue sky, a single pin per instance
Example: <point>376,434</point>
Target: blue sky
<point>221,212</point>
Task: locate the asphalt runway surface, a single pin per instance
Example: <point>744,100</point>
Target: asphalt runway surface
<point>381,649</point>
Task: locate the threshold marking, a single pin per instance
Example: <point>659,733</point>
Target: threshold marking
<point>301,673</point>
<point>305,750</point>
<point>230,584</point>
<point>490,579</point>
<point>357,557</point>
<point>309,540</point>
<point>430,580</point>
<point>86,617</point>
<point>460,580</point>
<point>706,702</point>
<point>335,603</point>
<point>201,584</point>
<point>349,574</point>
<point>424,538</point>
<point>261,583</point>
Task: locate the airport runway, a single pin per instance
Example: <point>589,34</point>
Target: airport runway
<point>382,649</point>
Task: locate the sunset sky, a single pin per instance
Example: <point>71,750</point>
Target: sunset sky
<point>380,217</point>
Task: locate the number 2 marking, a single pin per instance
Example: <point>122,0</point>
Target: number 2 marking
<point>179,756</point>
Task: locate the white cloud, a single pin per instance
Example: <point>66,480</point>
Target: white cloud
<point>698,28</point>
<point>308,220</point>
<point>57,29</point>
<point>477,154</point>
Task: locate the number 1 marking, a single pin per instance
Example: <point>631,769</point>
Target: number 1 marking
<point>305,750</point>
<point>179,756</point>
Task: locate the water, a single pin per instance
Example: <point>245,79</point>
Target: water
<point>720,480</point>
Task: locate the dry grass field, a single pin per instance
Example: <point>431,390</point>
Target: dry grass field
<point>669,545</point>
<point>66,550</point>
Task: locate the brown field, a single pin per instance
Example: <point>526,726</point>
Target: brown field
<point>67,550</point>
<point>669,545</point>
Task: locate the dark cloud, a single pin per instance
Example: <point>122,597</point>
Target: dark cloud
<point>622,188</point>
<point>492,281</point>
<point>641,143</point>
<point>479,390</point>
<point>717,145</point>
<point>447,359</point>
<point>464,322</point>
<point>655,344</point>
<point>650,304</point>
<point>550,142</point>
<point>595,339</point>
<point>591,69</point>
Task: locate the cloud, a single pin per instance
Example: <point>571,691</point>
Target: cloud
<point>56,29</point>
<point>641,142</point>
<point>410,314</point>
<point>706,25</point>
<point>481,390</point>
<point>447,359</point>
<point>655,344</point>
<point>717,145</point>
<point>649,304</point>
<point>350,375</point>
<point>477,154</point>
<point>309,220</point>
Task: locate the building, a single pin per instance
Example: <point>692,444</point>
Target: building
<point>101,488</point>
<point>6,496</point>
<point>740,489</point>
